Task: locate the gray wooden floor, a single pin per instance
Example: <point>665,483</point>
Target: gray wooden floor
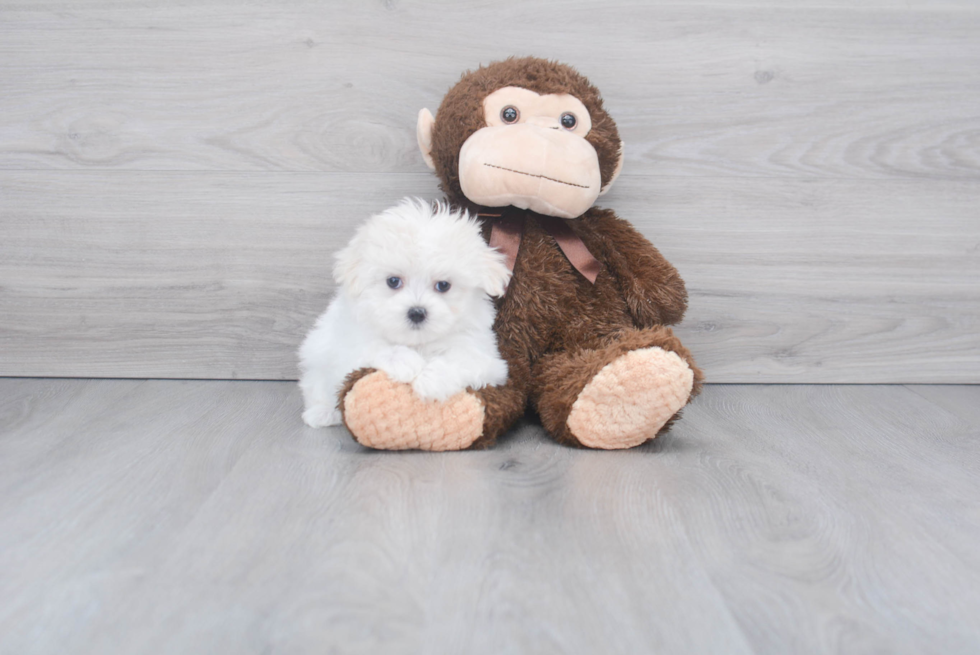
<point>201,516</point>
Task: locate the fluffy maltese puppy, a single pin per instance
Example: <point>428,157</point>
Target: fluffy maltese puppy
<point>412,302</point>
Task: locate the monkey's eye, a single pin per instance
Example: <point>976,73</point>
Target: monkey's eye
<point>568,121</point>
<point>395,282</point>
<point>509,114</point>
<point>442,286</point>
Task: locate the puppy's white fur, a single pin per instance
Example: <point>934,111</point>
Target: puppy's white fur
<point>367,323</point>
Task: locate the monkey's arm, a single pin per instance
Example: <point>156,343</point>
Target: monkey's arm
<point>655,292</point>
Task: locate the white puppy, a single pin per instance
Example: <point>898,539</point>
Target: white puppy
<point>412,302</point>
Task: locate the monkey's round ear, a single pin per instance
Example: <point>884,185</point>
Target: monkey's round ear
<point>423,131</point>
<point>616,172</point>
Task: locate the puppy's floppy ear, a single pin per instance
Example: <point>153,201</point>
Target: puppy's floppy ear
<point>346,263</point>
<point>496,275</point>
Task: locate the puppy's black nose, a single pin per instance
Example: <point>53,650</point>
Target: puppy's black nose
<point>416,314</point>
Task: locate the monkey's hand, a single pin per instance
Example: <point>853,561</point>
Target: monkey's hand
<point>387,415</point>
<point>654,292</point>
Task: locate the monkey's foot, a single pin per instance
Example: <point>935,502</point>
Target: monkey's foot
<point>631,399</point>
<point>386,415</point>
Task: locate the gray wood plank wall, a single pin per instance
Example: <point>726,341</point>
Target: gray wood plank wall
<point>174,179</point>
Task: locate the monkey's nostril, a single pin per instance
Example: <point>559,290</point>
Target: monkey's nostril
<point>416,314</point>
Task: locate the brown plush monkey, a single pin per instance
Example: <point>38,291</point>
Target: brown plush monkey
<point>526,144</point>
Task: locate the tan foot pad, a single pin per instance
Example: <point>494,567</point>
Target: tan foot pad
<point>630,399</point>
<point>386,415</point>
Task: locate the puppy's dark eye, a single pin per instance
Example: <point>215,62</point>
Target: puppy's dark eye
<point>568,121</point>
<point>509,114</point>
<point>442,286</point>
<point>395,282</point>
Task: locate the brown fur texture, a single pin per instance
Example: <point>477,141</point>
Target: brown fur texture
<point>556,329</point>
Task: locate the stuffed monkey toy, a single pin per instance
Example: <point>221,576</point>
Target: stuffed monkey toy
<point>526,145</point>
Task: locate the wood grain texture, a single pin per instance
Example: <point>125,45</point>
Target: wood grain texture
<point>953,398</point>
<point>200,517</point>
<point>173,179</point>
<point>734,89</point>
<point>148,274</point>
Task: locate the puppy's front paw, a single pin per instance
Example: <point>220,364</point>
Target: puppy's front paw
<point>433,384</point>
<point>321,416</point>
<point>402,364</point>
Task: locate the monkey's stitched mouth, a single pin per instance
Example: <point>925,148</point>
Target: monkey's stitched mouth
<point>543,177</point>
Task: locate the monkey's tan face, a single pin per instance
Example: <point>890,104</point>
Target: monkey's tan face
<point>532,154</point>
